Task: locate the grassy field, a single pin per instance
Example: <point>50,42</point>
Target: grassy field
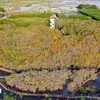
<point>31,15</point>
<point>79,16</point>
<point>93,13</point>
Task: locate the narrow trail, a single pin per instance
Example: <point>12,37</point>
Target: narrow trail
<point>6,70</point>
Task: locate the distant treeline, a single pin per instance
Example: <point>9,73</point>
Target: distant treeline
<point>87,6</point>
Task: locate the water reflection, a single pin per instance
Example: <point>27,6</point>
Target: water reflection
<point>24,8</point>
<point>66,90</point>
<point>97,81</point>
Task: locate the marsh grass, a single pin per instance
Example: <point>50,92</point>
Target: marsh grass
<point>36,15</point>
<point>79,16</point>
<point>29,42</point>
<point>93,13</point>
<point>23,24</point>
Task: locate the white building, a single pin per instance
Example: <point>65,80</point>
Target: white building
<point>52,21</point>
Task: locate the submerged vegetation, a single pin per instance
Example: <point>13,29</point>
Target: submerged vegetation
<point>2,10</point>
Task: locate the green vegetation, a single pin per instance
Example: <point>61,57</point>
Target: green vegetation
<point>9,97</point>
<point>21,96</point>
<point>39,15</point>
<point>30,43</point>
<point>82,98</point>
<point>79,16</point>
<point>93,13</point>
<point>87,6</point>
<point>2,9</point>
<point>4,21</point>
<point>87,90</point>
<point>23,24</point>
<point>90,10</point>
<point>32,81</point>
<point>77,27</point>
<point>1,15</point>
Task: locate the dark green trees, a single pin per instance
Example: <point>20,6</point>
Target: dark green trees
<point>87,6</point>
<point>2,10</point>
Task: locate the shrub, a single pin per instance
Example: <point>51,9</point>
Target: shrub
<point>24,24</point>
<point>87,6</point>
<point>8,97</point>
<point>2,10</point>
<point>82,98</point>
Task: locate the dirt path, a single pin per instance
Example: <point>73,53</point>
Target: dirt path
<point>6,70</point>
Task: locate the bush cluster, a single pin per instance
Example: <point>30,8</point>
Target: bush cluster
<point>87,6</point>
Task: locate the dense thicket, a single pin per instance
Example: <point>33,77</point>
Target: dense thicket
<point>30,43</point>
<point>40,81</point>
<point>2,10</point>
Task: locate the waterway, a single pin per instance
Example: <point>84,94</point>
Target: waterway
<point>24,8</point>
